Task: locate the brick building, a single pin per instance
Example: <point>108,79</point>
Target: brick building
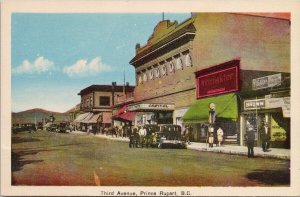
<point>166,66</point>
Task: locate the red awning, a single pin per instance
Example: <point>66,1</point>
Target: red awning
<point>123,114</point>
<point>128,116</point>
<point>120,110</point>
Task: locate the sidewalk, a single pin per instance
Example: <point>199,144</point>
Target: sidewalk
<point>277,153</point>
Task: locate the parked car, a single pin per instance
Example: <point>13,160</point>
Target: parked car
<point>164,136</point>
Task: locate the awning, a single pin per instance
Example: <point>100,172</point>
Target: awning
<point>128,116</point>
<point>87,118</point>
<point>94,118</point>
<point>226,107</point>
<point>80,117</point>
<point>120,110</point>
<point>123,114</point>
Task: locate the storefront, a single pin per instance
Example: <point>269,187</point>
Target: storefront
<point>152,113</point>
<point>275,112</point>
<point>216,85</point>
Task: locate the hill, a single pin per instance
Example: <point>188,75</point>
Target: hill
<point>37,115</point>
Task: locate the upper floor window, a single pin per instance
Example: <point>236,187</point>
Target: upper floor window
<point>171,66</point>
<point>145,77</point>
<point>157,73</point>
<point>140,79</point>
<point>151,74</point>
<point>164,70</point>
<point>104,101</point>
<point>179,64</point>
<point>188,60</point>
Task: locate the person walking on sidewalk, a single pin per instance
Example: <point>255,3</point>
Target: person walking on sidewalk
<point>211,136</point>
<point>264,136</point>
<point>220,134</point>
<point>250,137</point>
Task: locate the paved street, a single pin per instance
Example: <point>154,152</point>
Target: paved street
<point>45,158</point>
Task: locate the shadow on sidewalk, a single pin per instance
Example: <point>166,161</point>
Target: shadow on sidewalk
<point>270,177</point>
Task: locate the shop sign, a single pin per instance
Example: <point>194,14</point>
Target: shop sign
<point>218,82</point>
<point>151,106</point>
<point>274,103</point>
<point>286,108</point>
<point>266,82</point>
<point>254,104</point>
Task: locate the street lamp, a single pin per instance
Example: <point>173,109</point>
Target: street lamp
<point>211,121</point>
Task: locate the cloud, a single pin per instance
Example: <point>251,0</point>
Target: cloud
<point>84,68</point>
<point>40,65</point>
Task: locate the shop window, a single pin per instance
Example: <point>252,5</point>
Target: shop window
<point>179,64</point>
<point>188,60</point>
<point>104,101</point>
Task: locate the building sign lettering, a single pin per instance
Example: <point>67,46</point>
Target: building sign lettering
<point>151,106</point>
<point>219,81</point>
<point>266,82</point>
<point>254,104</point>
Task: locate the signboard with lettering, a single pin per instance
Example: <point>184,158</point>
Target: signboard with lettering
<point>266,82</point>
<point>254,104</point>
<point>218,81</point>
<point>151,106</point>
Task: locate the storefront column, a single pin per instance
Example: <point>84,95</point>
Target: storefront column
<point>242,129</point>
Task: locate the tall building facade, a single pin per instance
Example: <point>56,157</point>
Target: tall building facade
<point>176,56</point>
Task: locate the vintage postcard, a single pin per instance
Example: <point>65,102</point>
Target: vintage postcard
<point>149,98</point>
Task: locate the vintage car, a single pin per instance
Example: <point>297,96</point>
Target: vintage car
<point>164,136</point>
<point>170,137</point>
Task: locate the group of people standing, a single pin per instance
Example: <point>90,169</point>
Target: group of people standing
<point>265,138</point>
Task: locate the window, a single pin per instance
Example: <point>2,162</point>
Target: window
<point>151,74</point>
<point>145,77</point>
<point>157,74</point>
<point>164,70</point>
<point>188,60</point>
<point>104,100</point>
<point>140,79</point>
<point>179,64</point>
<point>171,67</point>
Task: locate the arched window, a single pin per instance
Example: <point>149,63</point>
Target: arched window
<point>157,73</point>
<point>145,77</point>
<point>140,79</point>
<point>179,64</point>
<point>171,67</point>
<point>164,70</point>
<point>188,60</point>
<point>151,74</point>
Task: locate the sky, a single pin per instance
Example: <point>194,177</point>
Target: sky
<point>54,56</point>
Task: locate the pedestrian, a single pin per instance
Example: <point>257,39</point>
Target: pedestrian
<point>130,135</point>
<point>264,136</point>
<point>268,136</point>
<point>187,134</point>
<point>250,137</point>
<point>220,134</point>
<point>142,133</point>
<point>135,137</point>
<point>211,136</point>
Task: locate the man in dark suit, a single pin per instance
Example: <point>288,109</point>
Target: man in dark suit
<point>250,136</point>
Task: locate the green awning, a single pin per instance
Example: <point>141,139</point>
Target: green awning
<point>226,107</point>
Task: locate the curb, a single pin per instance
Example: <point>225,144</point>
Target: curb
<point>205,149</point>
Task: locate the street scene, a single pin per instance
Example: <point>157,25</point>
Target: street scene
<point>164,99</point>
<point>48,158</point>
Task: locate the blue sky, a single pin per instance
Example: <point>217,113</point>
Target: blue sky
<point>54,56</point>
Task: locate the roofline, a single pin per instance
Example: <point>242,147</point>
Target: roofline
<point>171,41</point>
<point>262,16</point>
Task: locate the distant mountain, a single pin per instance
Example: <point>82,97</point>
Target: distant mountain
<point>37,115</point>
